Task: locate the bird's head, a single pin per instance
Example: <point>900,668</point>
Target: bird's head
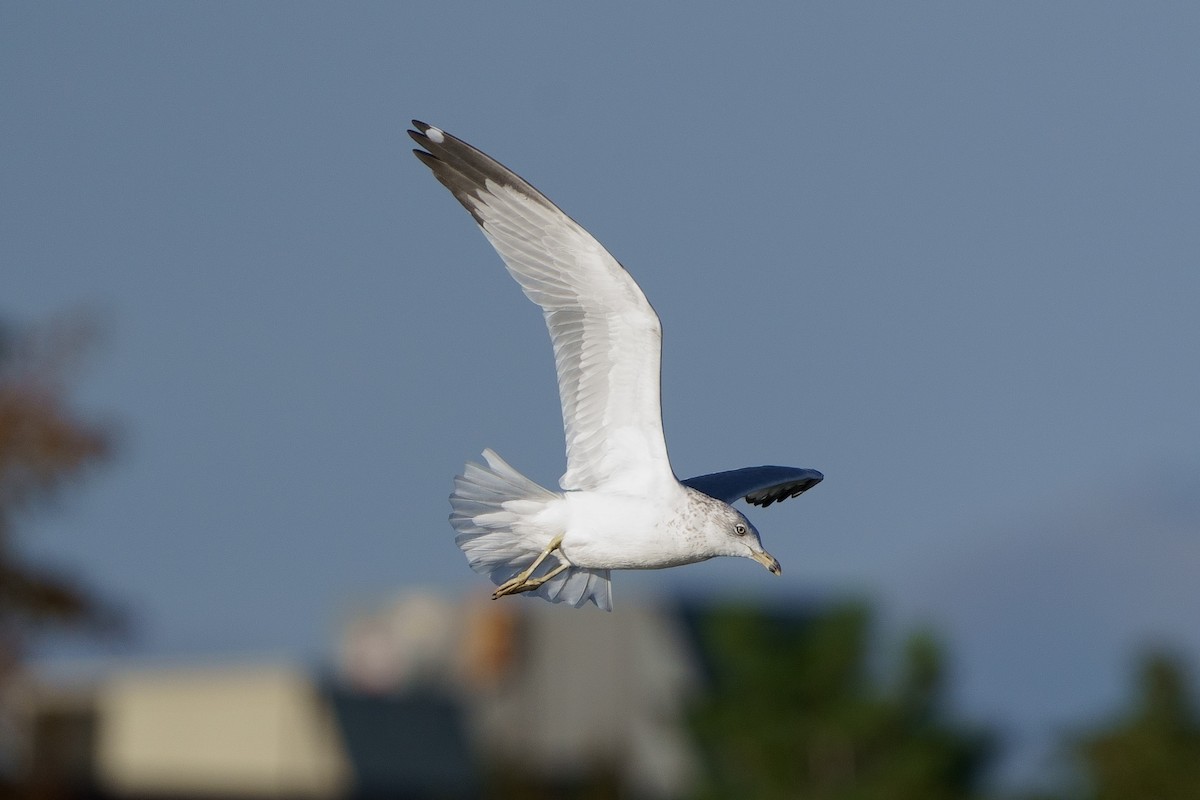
<point>731,534</point>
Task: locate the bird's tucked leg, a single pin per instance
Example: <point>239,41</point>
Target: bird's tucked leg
<point>525,582</point>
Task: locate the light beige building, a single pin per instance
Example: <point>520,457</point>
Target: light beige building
<point>257,731</point>
<point>429,696</point>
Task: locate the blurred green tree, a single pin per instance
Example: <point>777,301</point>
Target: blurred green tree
<point>1154,750</point>
<point>793,711</point>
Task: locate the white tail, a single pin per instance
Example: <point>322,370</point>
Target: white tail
<point>492,506</point>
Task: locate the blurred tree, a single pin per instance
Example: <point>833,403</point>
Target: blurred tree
<point>1154,751</point>
<point>793,712</point>
<point>44,446</point>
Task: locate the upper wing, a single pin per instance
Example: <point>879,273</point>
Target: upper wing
<point>607,339</point>
<point>761,486</point>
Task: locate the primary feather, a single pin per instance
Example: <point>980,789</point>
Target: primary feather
<point>607,339</point>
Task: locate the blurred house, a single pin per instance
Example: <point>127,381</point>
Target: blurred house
<point>560,697</point>
<point>428,698</point>
<point>217,731</point>
<point>190,731</point>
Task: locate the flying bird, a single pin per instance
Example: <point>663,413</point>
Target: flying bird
<point>621,506</point>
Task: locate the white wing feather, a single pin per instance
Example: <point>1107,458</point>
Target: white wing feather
<point>607,339</point>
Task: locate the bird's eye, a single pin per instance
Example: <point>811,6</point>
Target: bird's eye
<point>739,529</point>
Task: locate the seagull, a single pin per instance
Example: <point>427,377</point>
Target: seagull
<point>621,506</point>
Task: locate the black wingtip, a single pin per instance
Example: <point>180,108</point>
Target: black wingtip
<point>418,137</point>
<point>428,159</point>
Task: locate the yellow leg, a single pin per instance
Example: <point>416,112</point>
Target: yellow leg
<point>532,583</point>
<point>524,582</point>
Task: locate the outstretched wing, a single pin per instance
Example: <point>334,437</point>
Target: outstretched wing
<point>607,339</point>
<point>760,486</point>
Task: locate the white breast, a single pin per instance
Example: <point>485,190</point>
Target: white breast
<point>625,532</point>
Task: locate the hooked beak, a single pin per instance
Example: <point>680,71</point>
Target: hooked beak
<point>768,561</point>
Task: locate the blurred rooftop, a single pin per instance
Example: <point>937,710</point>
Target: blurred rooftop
<point>426,696</point>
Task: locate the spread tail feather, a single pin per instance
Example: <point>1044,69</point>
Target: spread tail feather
<point>491,508</point>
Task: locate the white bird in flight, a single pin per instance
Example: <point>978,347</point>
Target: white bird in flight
<point>621,506</point>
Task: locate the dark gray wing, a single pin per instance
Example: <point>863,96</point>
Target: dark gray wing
<point>760,486</point>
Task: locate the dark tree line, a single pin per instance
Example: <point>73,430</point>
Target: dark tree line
<point>795,710</point>
<point>1153,749</point>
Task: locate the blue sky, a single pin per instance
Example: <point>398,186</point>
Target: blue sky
<point>946,254</point>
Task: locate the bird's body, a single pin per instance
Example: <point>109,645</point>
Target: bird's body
<point>621,506</point>
<point>604,530</point>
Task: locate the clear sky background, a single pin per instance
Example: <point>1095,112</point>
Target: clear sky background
<point>948,254</point>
